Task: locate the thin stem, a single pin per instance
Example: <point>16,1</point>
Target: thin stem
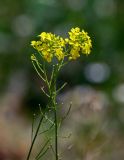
<point>38,72</point>
<point>32,128</point>
<point>45,74</point>
<point>32,144</point>
<point>53,101</point>
<point>52,74</point>
<point>51,84</point>
<point>56,135</point>
<point>52,149</point>
<point>67,113</point>
<point>42,154</point>
<point>39,154</point>
<point>61,87</point>
<point>54,92</point>
<point>39,65</point>
<point>47,129</point>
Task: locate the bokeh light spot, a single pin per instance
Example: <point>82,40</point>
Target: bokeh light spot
<point>118,93</point>
<point>23,25</point>
<point>97,72</point>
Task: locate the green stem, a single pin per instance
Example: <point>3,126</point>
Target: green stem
<point>32,144</point>
<point>56,135</point>
<point>54,94</point>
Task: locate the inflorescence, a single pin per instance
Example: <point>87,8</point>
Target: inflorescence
<point>50,45</point>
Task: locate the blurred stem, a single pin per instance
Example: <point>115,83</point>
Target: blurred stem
<point>51,84</point>
<point>35,136</point>
<point>54,94</point>
<point>56,135</point>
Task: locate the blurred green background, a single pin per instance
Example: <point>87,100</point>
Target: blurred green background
<point>95,83</point>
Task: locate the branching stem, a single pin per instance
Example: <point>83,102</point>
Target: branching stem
<point>35,136</point>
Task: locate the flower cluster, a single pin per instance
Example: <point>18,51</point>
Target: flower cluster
<point>80,42</point>
<point>50,45</point>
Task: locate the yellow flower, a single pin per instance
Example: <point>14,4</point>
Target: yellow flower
<point>43,35</point>
<point>74,53</point>
<point>81,40</point>
<point>86,48</point>
<point>62,42</point>
<point>33,43</point>
<point>33,58</point>
<point>47,56</point>
<point>59,54</point>
<point>74,30</point>
<point>66,40</point>
<point>50,45</point>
